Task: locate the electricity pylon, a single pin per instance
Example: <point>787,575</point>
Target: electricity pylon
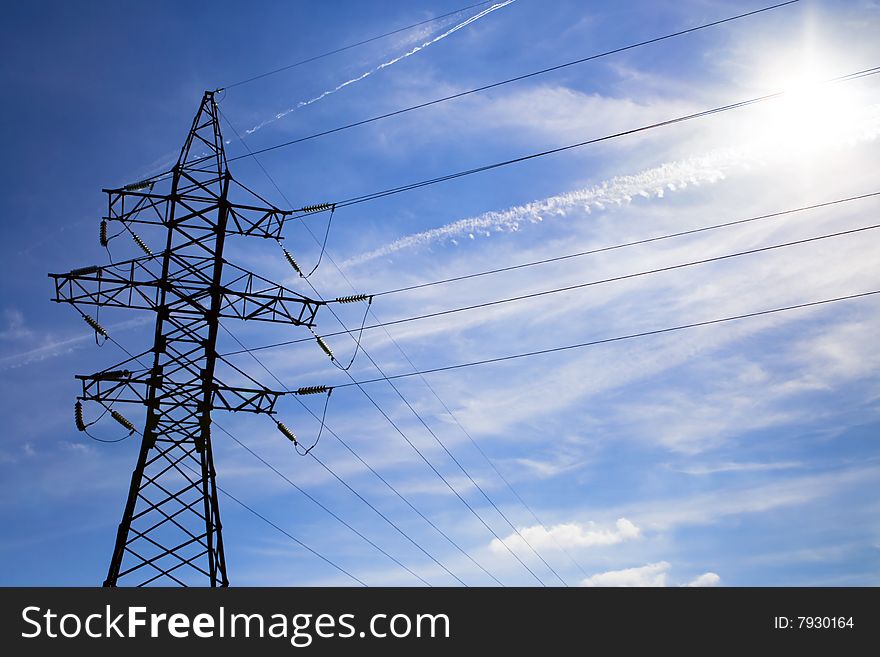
<point>170,532</point>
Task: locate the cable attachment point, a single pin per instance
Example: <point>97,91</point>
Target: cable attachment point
<point>141,184</point>
<point>124,421</point>
<point>78,416</point>
<point>312,390</point>
<point>320,207</point>
<point>287,433</point>
<point>95,326</point>
<point>292,261</point>
<point>141,243</point>
<point>354,298</point>
<point>102,236</point>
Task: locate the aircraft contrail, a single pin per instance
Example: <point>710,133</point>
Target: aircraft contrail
<point>390,62</point>
<point>656,182</point>
<point>620,190</point>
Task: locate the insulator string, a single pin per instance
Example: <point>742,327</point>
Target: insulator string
<point>291,261</point>
<point>287,433</point>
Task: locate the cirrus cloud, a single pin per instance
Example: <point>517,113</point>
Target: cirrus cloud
<point>567,535</point>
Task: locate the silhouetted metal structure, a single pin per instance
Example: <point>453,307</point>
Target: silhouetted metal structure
<point>171,532</point>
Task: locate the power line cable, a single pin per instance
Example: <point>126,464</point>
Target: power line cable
<point>386,416</point>
<point>464,471</point>
<point>496,165</point>
<point>694,231</point>
<point>416,449</point>
<point>431,465</point>
<point>520,77</point>
<point>421,454</point>
<point>454,418</point>
<point>341,480</point>
<point>314,237</point>
<point>290,536</point>
<point>578,286</point>
<point>365,501</point>
<point>383,479</point>
<point>403,498</point>
<point>349,47</point>
<point>423,457</point>
<point>360,199</point>
<point>619,338</point>
<point>337,517</point>
<point>487,498</point>
<point>386,192</point>
<point>686,232</point>
<point>649,272</point>
<point>517,160</point>
<point>397,190</point>
<point>413,446</point>
<point>475,444</point>
<point>363,462</point>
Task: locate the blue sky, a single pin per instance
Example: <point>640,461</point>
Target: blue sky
<point>737,454</point>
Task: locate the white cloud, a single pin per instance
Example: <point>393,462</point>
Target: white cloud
<point>671,513</point>
<point>15,325</point>
<point>567,535</point>
<point>706,579</point>
<point>731,466</point>
<point>652,574</point>
<point>551,467</point>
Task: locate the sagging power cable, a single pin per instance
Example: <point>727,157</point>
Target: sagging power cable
<point>319,389</point>
<point>577,286</point>
<point>624,133</point>
<point>619,338</point>
<point>292,437</point>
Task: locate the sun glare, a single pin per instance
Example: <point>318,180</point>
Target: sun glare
<point>813,112</point>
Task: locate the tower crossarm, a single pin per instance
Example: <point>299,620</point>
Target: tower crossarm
<point>120,387</point>
<point>188,290</point>
<point>149,208</point>
<point>128,284</point>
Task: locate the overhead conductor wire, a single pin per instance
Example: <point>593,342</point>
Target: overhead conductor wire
<point>516,79</point>
<point>322,506</point>
<point>397,428</point>
<point>349,47</point>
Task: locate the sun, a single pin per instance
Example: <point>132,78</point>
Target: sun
<point>813,111</point>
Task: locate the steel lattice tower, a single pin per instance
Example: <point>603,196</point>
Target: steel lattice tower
<point>170,531</point>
